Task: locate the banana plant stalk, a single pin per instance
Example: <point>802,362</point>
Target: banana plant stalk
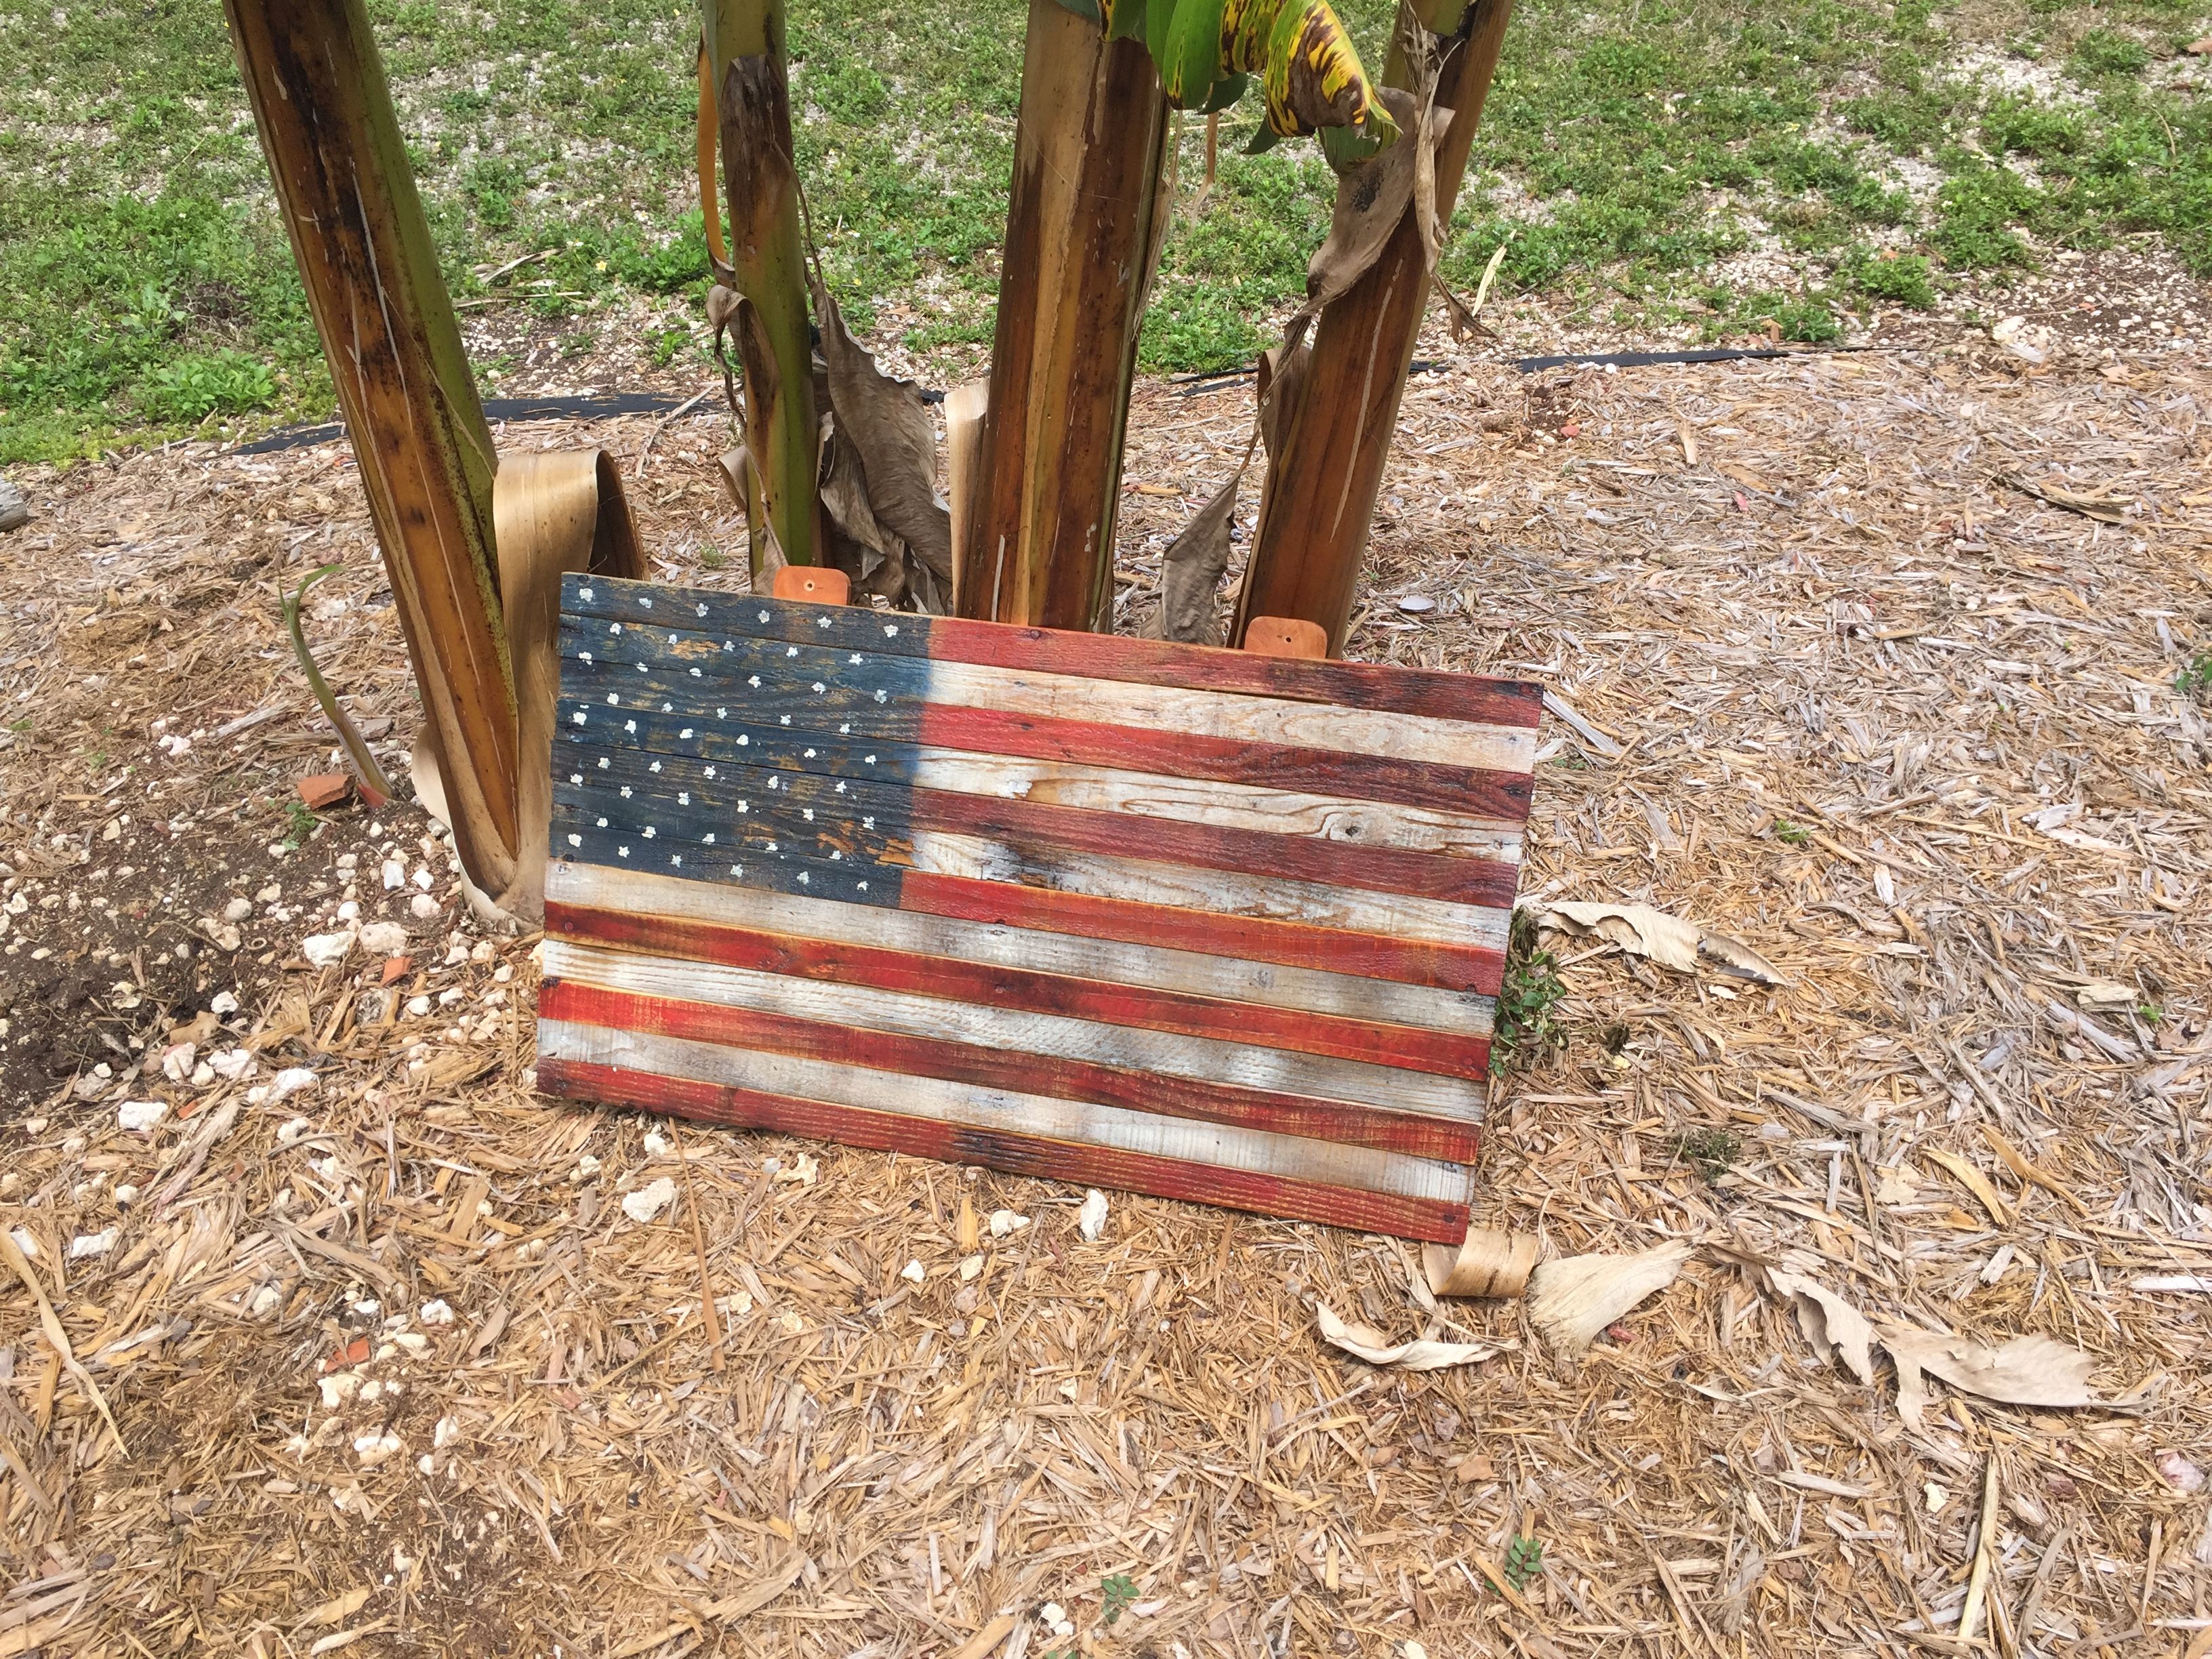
<point>745,53</point>
<point>1083,230</point>
<point>328,129</point>
<point>1325,473</point>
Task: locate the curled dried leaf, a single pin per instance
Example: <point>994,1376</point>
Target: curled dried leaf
<point>1191,571</point>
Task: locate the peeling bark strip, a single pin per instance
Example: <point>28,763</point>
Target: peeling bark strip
<point>358,233</point>
<point>1079,247</point>
<point>888,879</point>
<point>1328,448</point>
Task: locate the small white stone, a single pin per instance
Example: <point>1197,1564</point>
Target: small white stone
<point>177,1062</point>
<point>238,909</point>
<point>648,1201</point>
<point>913,1272</point>
<point>439,1312</point>
<point>140,1115</point>
<point>424,906</point>
<point>126,1194</point>
<point>349,911</point>
<point>422,876</point>
<point>375,1448</point>
<point>290,1081</point>
<point>1091,1219</point>
<point>1052,1613</point>
<point>970,1267</point>
<point>264,1301</point>
<point>339,1388</point>
<point>232,1063</point>
<point>656,1144</point>
<point>384,939</point>
<point>326,949</point>
<point>447,1431</point>
<point>24,1242</point>
<point>1004,1222</point>
<point>99,1243</point>
<point>418,1006</point>
<point>291,1130</point>
<point>222,1004</point>
<point>586,1167</point>
<point>395,875</point>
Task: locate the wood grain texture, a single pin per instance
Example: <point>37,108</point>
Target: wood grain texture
<point>1349,996</point>
<point>1017,1153</point>
<point>1028,990</point>
<point>1385,689</point>
<point>908,1014</point>
<point>1214,1145</point>
<point>1415,1135</point>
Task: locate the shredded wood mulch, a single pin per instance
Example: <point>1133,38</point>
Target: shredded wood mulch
<point>1867,662</point>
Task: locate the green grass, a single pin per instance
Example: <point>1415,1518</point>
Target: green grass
<point>1634,147</point>
<point>1526,1022</point>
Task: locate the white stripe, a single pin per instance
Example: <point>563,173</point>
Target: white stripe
<point>1234,805</point>
<point>1232,714</point>
<point>1220,892</point>
<point>905,1013</point>
<point>1230,978</point>
<point>1184,1140</point>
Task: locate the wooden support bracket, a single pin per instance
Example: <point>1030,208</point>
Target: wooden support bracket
<point>816,582</point>
<point>1286,636</point>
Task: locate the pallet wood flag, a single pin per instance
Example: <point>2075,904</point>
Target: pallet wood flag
<point>1200,923</point>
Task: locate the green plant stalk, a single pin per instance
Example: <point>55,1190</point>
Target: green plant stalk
<point>745,46</point>
<point>373,784</point>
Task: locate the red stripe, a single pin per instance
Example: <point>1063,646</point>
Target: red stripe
<point>1033,1074</point>
<point>1023,990</point>
<point>1429,1219</point>
<point>1489,882</point>
<point>1250,938</point>
<point>1476,791</point>
<point>1150,662</point>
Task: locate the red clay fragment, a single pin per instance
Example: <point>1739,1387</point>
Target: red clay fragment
<point>325,789</point>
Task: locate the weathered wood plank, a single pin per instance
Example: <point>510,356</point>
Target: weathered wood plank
<point>1439,1221</point>
<point>1350,996</point>
<point>1137,1090</point>
<point>1026,990</point>
<point>907,1013</point>
<point>1215,1145</point>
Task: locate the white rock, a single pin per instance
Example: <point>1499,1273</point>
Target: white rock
<point>384,939</point>
<point>203,1074</point>
<point>264,1301</point>
<point>969,1268</point>
<point>232,1063</point>
<point>395,875</point>
<point>1004,1222</point>
<point>375,1448</point>
<point>292,1130</point>
<point>140,1115</point>
<point>339,1388</point>
<point>290,1081</point>
<point>24,1242</point>
<point>656,1144</point>
<point>177,1062</point>
<point>436,1312</point>
<point>223,1003</point>
<point>238,909</point>
<point>1091,1219</point>
<point>326,949</point>
<point>586,1167</point>
<point>913,1272</point>
<point>447,1431</point>
<point>126,1193</point>
<point>99,1243</point>
<point>349,911</point>
<point>424,906</point>
<point>1052,1613</point>
<point>418,1006</point>
<point>648,1201</point>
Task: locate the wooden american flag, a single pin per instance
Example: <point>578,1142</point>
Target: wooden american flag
<point>1194,922</point>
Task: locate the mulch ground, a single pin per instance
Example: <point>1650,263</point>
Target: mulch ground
<point>1868,661</point>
